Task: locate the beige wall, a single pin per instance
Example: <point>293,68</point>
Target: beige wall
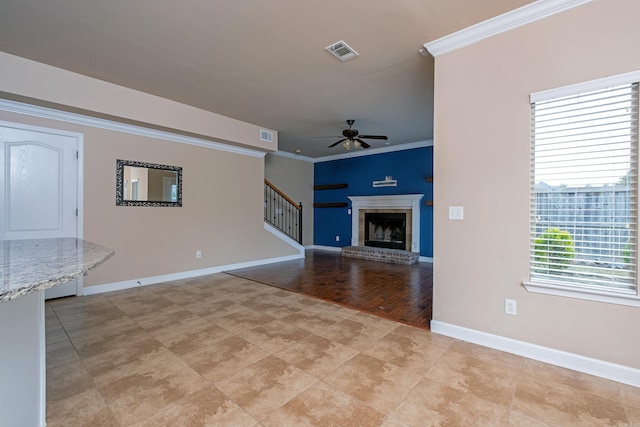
<point>295,179</point>
<point>46,85</point>
<point>222,213</point>
<point>481,157</point>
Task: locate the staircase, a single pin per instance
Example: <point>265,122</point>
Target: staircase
<point>282,212</point>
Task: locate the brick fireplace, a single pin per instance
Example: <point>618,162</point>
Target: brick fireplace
<point>406,206</point>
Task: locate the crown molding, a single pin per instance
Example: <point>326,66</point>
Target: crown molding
<point>292,156</point>
<point>381,150</point>
<point>508,21</point>
<point>80,119</point>
<point>347,155</point>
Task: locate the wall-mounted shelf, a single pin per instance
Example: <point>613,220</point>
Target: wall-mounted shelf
<point>330,186</point>
<point>331,205</point>
<point>429,179</point>
<point>388,182</point>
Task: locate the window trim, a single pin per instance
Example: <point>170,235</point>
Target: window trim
<point>591,85</point>
<point>563,289</point>
<point>549,288</point>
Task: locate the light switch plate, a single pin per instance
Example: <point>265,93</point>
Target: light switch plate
<point>456,213</point>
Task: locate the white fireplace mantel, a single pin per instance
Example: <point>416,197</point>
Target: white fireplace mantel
<point>396,201</point>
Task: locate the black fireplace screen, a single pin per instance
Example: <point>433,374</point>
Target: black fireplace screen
<point>385,230</point>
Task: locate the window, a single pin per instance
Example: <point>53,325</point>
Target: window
<point>584,192</point>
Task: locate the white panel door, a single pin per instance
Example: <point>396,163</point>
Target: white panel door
<point>38,187</point>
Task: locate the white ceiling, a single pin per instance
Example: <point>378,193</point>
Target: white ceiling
<point>258,61</point>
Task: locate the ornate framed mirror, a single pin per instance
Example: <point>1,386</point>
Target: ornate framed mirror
<point>148,184</point>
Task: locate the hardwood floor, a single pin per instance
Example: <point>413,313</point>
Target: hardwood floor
<point>399,292</point>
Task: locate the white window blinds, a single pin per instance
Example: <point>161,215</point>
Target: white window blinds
<point>584,185</point>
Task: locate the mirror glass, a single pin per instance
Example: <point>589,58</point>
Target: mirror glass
<point>148,184</point>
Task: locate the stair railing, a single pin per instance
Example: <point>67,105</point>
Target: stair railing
<point>282,212</point>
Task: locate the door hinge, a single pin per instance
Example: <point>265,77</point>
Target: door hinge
<point>76,211</point>
<point>77,154</point>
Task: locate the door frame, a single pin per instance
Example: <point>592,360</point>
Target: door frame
<point>79,137</point>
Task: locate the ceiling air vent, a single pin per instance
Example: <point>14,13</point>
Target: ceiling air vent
<point>341,50</point>
<point>266,136</point>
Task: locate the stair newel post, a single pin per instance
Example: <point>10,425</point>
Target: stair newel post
<point>300,223</point>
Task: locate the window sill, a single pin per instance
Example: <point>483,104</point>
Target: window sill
<point>550,288</point>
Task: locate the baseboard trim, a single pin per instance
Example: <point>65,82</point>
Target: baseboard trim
<point>288,240</point>
<point>152,280</point>
<point>576,362</point>
<point>335,249</point>
<point>325,248</point>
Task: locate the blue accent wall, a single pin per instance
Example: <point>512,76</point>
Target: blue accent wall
<point>408,167</point>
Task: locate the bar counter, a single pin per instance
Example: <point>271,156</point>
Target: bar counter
<point>33,265</point>
<point>27,269</point>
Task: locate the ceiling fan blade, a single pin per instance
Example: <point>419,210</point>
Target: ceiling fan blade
<point>336,143</point>
<point>362,143</point>
<point>373,137</point>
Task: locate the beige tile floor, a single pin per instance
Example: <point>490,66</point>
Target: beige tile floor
<point>224,351</point>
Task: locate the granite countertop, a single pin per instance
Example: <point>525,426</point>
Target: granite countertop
<point>32,265</point>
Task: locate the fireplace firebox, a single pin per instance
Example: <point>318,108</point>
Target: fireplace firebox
<point>385,230</point>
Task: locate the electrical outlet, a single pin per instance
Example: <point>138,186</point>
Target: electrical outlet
<point>456,213</point>
<point>510,306</point>
<point>198,254</point>
<point>337,238</point>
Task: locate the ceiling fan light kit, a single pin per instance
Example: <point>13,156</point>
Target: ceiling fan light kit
<point>353,138</point>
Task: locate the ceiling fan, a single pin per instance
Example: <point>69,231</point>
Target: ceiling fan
<point>351,137</point>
